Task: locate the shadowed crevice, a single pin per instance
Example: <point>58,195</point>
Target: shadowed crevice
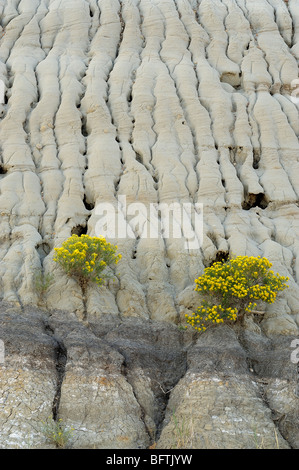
<point>60,357</point>
<point>255,200</point>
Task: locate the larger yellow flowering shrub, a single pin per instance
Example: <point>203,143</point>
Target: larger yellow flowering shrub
<point>87,258</point>
<point>231,288</point>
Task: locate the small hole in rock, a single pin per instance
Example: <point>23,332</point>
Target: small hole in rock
<point>84,130</point>
<point>221,256</point>
<point>256,159</point>
<point>43,250</point>
<point>79,230</point>
<point>255,200</point>
<point>88,205</point>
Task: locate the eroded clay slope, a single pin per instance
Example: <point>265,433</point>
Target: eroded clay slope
<point>160,101</point>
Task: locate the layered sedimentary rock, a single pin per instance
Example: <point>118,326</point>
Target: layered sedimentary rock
<point>131,383</point>
<point>155,102</point>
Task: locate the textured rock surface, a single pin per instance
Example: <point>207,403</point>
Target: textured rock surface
<point>28,379</point>
<point>135,383</point>
<point>160,101</point>
<point>237,393</point>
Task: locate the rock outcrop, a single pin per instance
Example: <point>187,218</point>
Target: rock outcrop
<point>134,383</point>
<point>158,102</point>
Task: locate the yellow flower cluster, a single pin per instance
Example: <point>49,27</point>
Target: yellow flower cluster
<point>85,257</point>
<point>250,307</point>
<point>215,315</point>
<point>231,286</point>
<point>56,432</point>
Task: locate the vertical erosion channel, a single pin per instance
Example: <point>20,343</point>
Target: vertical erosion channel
<point>60,357</point>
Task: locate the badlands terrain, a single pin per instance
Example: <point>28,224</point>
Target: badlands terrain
<point>158,102</point>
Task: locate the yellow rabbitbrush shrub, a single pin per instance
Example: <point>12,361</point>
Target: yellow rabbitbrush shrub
<point>231,289</point>
<point>87,258</point>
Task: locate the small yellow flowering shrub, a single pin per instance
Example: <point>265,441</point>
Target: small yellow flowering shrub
<point>86,258</point>
<point>57,433</point>
<point>231,289</point>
